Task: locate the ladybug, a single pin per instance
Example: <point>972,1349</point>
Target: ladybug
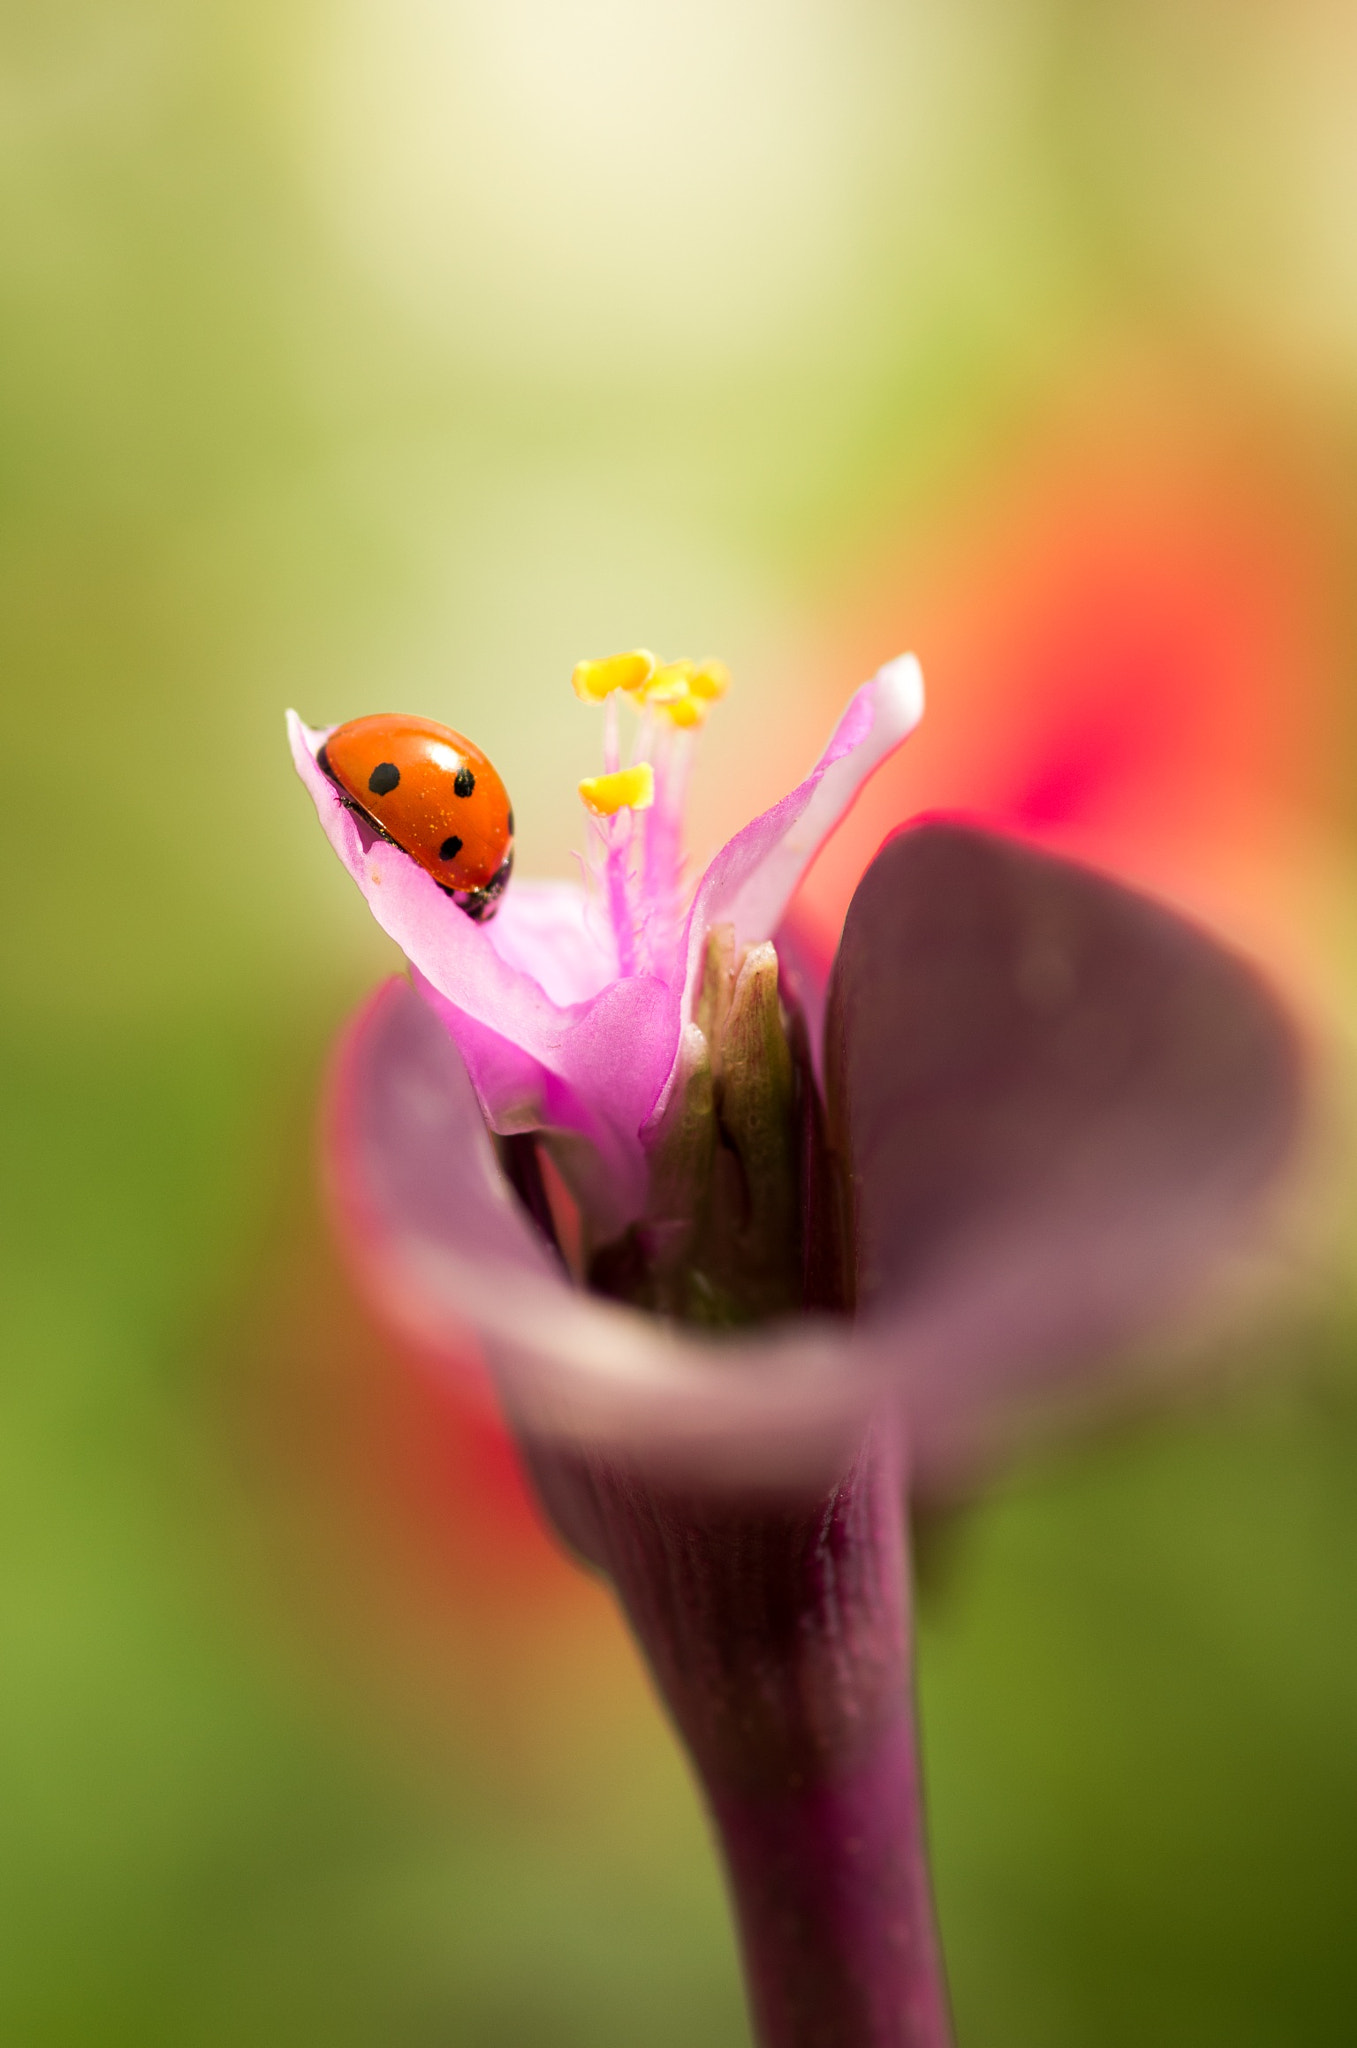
<point>433,794</point>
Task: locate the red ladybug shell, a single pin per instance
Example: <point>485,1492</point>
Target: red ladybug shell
<point>433,793</point>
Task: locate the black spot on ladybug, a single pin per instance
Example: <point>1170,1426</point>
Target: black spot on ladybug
<point>384,778</point>
<point>450,848</point>
<point>463,782</point>
<point>511,821</point>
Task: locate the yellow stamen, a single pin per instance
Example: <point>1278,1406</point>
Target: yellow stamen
<point>688,711</point>
<point>630,789</point>
<point>684,690</point>
<point>668,685</point>
<point>710,679</point>
<point>595,680</point>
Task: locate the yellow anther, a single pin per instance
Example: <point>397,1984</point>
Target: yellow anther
<point>668,685</point>
<point>627,789</point>
<point>595,680</point>
<point>687,710</point>
<point>710,679</point>
<point>685,690</point>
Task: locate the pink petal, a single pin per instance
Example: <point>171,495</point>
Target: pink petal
<point>1061,1103</point>
<point>753,878</point>
<point>593,1066</point>
<point>597,1076</point>
<point>442,1247</point>
<point>547,930</point>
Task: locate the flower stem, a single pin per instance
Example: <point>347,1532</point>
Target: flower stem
<point>779,1636</point>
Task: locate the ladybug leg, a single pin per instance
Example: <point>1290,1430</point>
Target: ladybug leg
<point>379,831</point>
<point>481,904</point>
<point>349,803</point>
<point>475,902</point>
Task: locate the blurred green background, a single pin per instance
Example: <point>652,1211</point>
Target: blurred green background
<point>392,354</point>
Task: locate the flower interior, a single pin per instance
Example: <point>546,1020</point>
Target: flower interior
<point>634,1044</point>
<point>636,811</point>
<point>721,1239</point>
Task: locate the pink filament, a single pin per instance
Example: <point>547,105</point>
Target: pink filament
<point>643,897</point>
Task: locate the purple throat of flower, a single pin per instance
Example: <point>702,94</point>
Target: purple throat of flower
<point>754,1240</point>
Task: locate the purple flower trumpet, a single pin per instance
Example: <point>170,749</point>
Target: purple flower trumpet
<point>752,1253</point>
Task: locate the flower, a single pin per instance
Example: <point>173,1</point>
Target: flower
<point>572,1021</point>
<point>1059,1101</point>
<point>836,1225</point>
